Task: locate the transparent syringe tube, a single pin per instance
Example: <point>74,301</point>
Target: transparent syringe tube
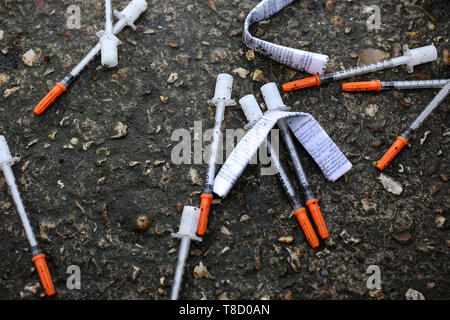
<point>9,177</point>
<point>442,94</point>
<point>402,140</point>
<point>364,69</point>
<point>415,84</point>
<point>181,264</point>
<point>282,174</point>
<point>220,111</point>
<point>299,171</point>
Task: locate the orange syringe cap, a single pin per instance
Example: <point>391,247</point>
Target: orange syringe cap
<point>205,206</point>
<point>44,274</point>
<point>314,209</point>
<point>48,100</point>
<point>302,83</point>
<point>307,227</point>
<point>398,145</point>
<point>362,86</point>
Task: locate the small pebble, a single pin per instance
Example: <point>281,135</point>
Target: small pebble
<point>402,238</point>
<point>142,223</point>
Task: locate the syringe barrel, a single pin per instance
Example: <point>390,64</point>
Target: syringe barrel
<point>220,111</point>
<point>284,178</point>
<point>368,68</point>
<point>442,94</point>
<point>414,84</point>
<point>181,264</point>
<point>299,171</point>
<point>9,177</point>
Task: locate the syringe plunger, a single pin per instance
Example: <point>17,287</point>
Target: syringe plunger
<point>224,84</point>
<point>251,108</point>
<point>272,96</point>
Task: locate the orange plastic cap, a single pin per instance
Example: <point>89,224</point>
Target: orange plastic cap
<point>398,145</point>
<point>48,100</point>
<point>362,86</point>
<point>314,209</point>
<point>307,227</point>
<point>44,274</point>
<point>205,205</point>
<point>313,81</point>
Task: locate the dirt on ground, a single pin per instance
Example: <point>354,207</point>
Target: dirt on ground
<point>101,155</point>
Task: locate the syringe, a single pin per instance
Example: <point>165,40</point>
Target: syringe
<point>378,85</point>
<point>273,101</point>
<point>186,232</point>
<point>6,160</point>
<point>411,57</point>
<point>127,17</point>
<point>222,98</point>
<point>108,40</point>
<point>403,139</point>
<point>253,113</point>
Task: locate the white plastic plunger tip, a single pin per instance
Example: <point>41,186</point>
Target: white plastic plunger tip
<point>224,84</point>
<point>272,96</point>
<point>250,107</point>
<point>109,50</point>
<point>134,9</point>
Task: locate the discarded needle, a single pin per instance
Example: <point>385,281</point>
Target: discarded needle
<point>411,57</point>
<point>6,160</point>
<point>253,113</point>
<point>127,17</point>
<point>222,98</point>
<point>273,101</point>
<point>403,139</point>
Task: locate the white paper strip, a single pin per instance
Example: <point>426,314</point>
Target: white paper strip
<point>313,63</point>
<point>306,129</point>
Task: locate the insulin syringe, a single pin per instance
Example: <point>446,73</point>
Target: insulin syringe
<point>410,58</point>
<point>403,139</point>
<point>127,17</point>
<point>222,98</point>
<point>377,85</point>
<point>6,160</point>
<point>253,113</point>
<point>273,101</point>
<point>186,232</point>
